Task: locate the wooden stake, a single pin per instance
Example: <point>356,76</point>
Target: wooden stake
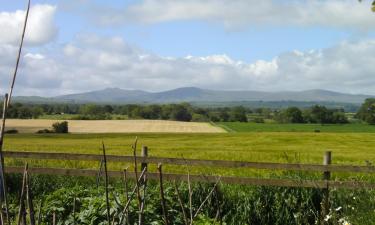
<point>162,199</point>
<point>40,212</point>
<point>206,199</point>
<point>131,197</point>
<point>126,191</point>
<point>106,184</point>
<point>19,53</point>
<point>74,211</point>
<point>30,200</point>
<point>136,172</point>
<point>22,197</point>
<point>144,154</point>
<point>3,187</point>
<point>181,203</point>
<point>327,160</point>
<point>100,171</point>
<point>54,218</point>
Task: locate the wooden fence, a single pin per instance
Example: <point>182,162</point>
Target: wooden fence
<point>326,169</point>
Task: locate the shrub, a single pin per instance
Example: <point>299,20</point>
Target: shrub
<point>258,120</point>
<point>11,131</point>
<point>60,127</point>
<point>44,131</point>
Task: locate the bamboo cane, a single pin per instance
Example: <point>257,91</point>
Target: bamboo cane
<point>19,53</point>
<point>181,204</point>
<point>30,200</point>
<point>162,199</point>
<point>131,197</point>
<point>106,184</point>
<point>22,197</point>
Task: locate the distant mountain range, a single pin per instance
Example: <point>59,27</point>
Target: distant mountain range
<point>197,95</point>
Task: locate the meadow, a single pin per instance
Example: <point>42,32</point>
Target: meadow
<point>239,204</point>
<point>347,148</point>
<point>277,127</point>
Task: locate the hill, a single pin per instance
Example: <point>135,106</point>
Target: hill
<point>197,95</point>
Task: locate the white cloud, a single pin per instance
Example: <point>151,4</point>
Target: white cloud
<point>91,62</point>
<point>41,28</point>
<point>243,13</point>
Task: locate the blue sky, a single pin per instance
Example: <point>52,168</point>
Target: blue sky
<point>164,44</point>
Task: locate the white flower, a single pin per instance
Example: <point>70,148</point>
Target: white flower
<point>327,218</point>
<point>338,208</point>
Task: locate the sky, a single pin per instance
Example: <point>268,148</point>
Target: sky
<point>74,46</point>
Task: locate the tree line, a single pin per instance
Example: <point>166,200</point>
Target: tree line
<point>187,112</point>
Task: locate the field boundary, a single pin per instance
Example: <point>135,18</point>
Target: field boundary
<point>202,178</point>
<point>224,127</point>
<point>326,168</point>
<point>194,162</point>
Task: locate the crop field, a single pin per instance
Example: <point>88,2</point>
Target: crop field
<point>347,148</point>
<point>276,127</point>
<point>116,126</point>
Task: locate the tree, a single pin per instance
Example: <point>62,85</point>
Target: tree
<point>238,114</point>
<point>373,5</point>
<point>180,113</point>
<point>290,115</point>
<point>60,127</point>
<point>367,111</point>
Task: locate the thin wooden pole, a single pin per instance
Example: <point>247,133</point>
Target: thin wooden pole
<point>3,187</point>
<point>19,53</point>
<point>136,172</point>
<point>126,191</point>
<point>327,160</point>
<point>126,184</point>
<point>181,203</point>
<point>40,212</point>
<point>22,197</point>
<point>206,199</point>
<point>54,218</point>
<point>30,200</point>
<point>74,211</point>
<point>131,197</point>
<point>106,184</point>
<point>100,171</point>
<point>162,199</point>
<point>144,154</point>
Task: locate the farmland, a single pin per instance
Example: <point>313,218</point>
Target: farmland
<point>253,146</point>
<point>277,127</point>
<point>115,126</point>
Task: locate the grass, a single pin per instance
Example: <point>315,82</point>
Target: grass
<point>347,148</point>
<point>275,127</point>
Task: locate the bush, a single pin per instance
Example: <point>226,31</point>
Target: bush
<point>60,127</point>
<point>11,131</point>
<point>258,120</point>
<point>44,131</point>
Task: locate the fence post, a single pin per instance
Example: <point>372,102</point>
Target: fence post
<point>144,155</point>
<point>327,160</point>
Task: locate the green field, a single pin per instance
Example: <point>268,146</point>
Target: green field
<point>276,127</point>
<point>347,148</point>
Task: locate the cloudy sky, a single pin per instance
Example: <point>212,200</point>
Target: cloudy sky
<point>270,45</point>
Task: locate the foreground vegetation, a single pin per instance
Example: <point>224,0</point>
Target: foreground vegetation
<point>236,204</point>
<point>230,204</point>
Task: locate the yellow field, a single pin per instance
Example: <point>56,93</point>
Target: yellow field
<point>115,126</point>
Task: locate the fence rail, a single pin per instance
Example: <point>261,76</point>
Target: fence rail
<point>325,183</point>
<point>203,178</point>
<point>194,162</point>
